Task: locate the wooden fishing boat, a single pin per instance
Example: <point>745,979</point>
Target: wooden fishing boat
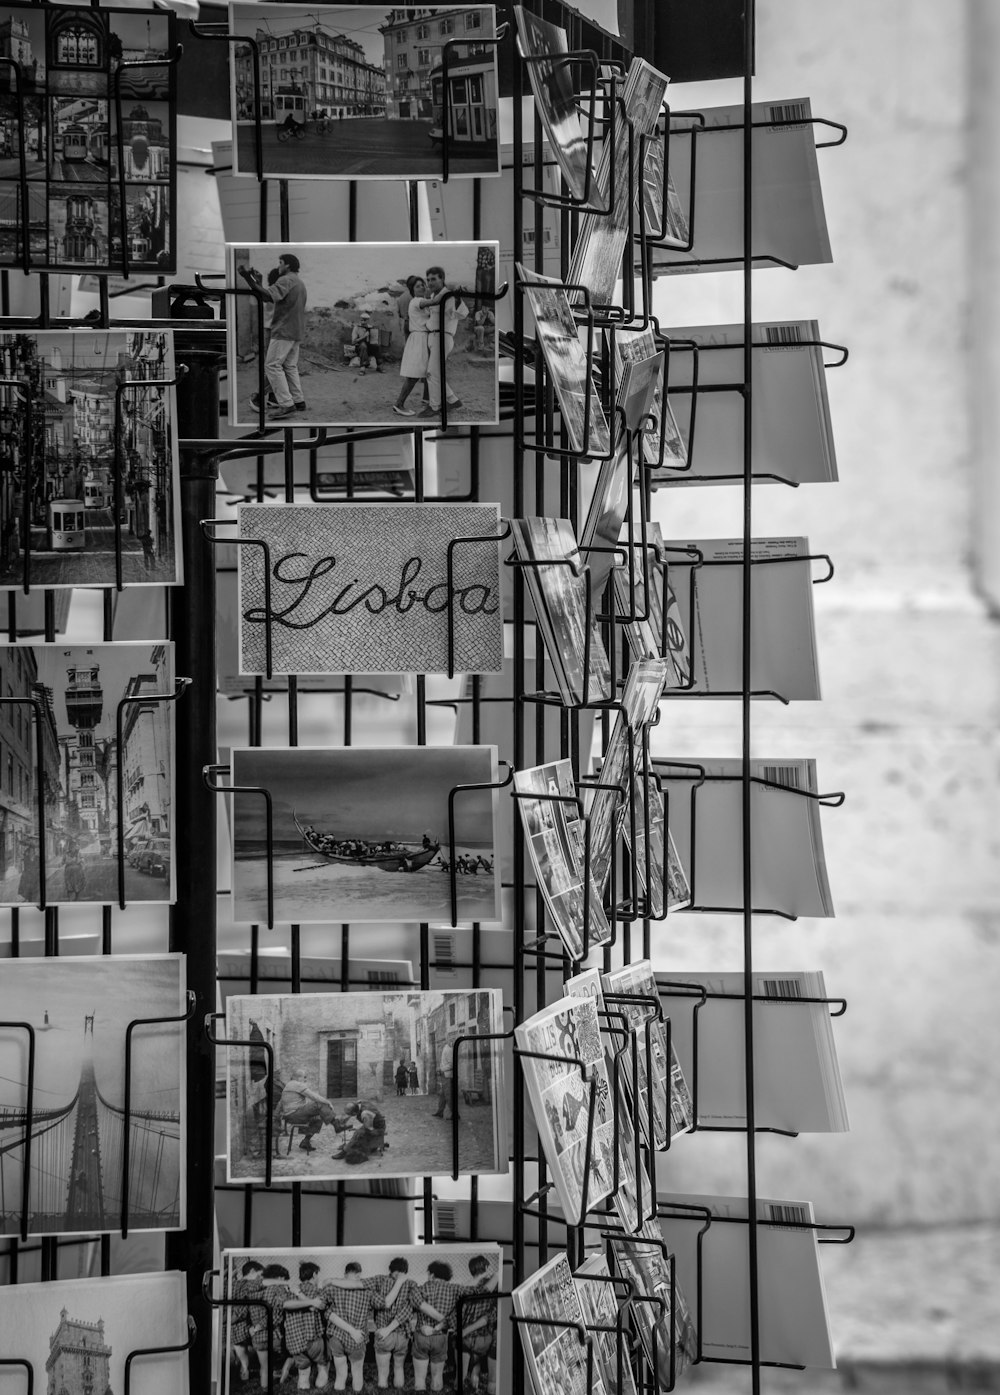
<point>399,860</point>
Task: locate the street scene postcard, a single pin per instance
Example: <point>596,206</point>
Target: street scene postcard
<point>364,91</point>
<point>60,749</point>
<point>89,459</point>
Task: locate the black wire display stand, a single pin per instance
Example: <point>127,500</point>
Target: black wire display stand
<point>533,962</point>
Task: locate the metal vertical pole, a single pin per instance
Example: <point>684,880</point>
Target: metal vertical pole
<point>192,917</point>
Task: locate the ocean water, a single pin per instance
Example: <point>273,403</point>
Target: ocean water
<point>337,892</point>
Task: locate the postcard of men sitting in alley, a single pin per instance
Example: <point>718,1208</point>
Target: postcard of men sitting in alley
<point>365,1085</point>
<point>363,334</point>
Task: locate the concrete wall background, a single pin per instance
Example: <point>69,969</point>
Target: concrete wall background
<point>909,655</point>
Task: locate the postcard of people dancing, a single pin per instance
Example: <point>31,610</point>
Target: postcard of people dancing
<point>365,1084</point>
<point>365,588</point>
<point>362,834</point>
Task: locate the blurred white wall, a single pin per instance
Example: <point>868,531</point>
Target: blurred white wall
<point>908,652</point>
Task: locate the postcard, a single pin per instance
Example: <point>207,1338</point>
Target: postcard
<point>61,403</point>
<point>72,1329</point>
<point>338,1109</point>
<point>378,331</point>
<point>664,1099</point>
<point>666,1331</point>
<point>552,1318</point>
<point>602,240</point>
<point>663,881</point>
<point>564,348</point>
<point>365,91</point>
<point>554,832</point>
<point>361,834</point>
<point>571,1098</point>
<point>76,693</point>
<point>364,588</point>
<point>634,1197</point>
<point>376,1310</point>
<point>553,84</point>
<point>599,1301</point>
<point>80,1010</point>
<point>622,760</point>
<point>557,584</point>
<point>61,111</point>
<point>633,347</point>
<point>649,594</point>
<point>664,216</point>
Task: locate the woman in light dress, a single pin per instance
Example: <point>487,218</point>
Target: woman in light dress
<point>413,364</point>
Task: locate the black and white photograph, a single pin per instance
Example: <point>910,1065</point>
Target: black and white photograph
<point>409,1313</point>
<point>622,760</point>
<point>63,1160</point>
<point>68,58</point>
<point>364,588</point>
<point>554,833</point>
<point>603,237</point>
<point>563,344</point>
<point>365,1084</point>
<point>77,1334</point>
<point>664,1098</point>
<point>570,1101</point>
<point>365,91</point>
<point>92,458</point>
<point>361,834</point>
<point>553,87</point>
<point>87,787</point>
<point>557,582</point>
<point>557,1358</point>
<point>363,333</point>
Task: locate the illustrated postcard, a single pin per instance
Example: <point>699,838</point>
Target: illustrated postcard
<point>551,1312</point>
<point>365,1084</point>
<point>365,588</point>
<point>362,834</point>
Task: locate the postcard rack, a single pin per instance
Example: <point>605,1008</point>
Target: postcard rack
<point>531,968</point>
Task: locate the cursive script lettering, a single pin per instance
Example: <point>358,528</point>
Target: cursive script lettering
<point>301,612</point>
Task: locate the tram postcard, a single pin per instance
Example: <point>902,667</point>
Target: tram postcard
<point>401,1083</point>
<point>363,334</point>
<point>78,1334</point>
<point>364,91</point>
<point>370,588</point>
<point>87,121</point>
<point>90,773</point>
<point>346,834</point>
<point>89,487</point>
<point>101,1099</point>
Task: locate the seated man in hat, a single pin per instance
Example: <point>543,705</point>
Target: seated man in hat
<point>301,1105</point>
<point>365,342</point>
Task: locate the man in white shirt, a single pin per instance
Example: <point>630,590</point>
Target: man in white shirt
<point>447,309</point>
<point>446,1076</point>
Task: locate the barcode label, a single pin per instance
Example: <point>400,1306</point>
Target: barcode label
<point>787,113</point>
<point>782,336</point>
<point>383,975</point>
<point>444,953</point>
<point>787,775</point>
<point>444,1220</point>
<point>782,988</point>
<point>788,1215</point>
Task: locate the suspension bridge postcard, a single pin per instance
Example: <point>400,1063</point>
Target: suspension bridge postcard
<point>362,834</point>
<point>364,91</point>
<point>364,1084</point>
<point>89,485</point>
<point>76,1334</point>
<point>363,333</point>
<point>64,1150</point>
<point>365,588</point>
<point>89,773</point>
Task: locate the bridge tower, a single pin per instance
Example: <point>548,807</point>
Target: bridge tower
<point>88,1024</point>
